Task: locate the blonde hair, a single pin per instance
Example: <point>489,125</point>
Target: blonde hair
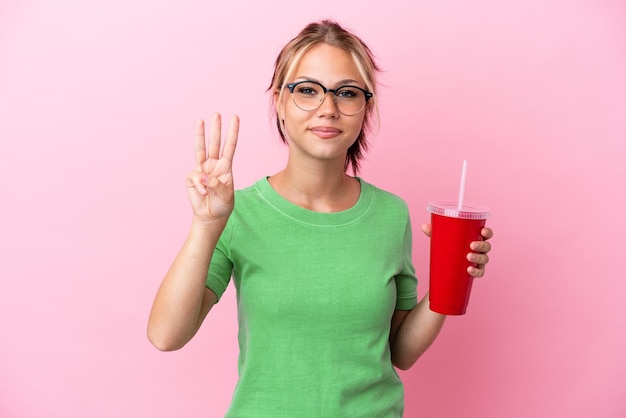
<point>331,33</point>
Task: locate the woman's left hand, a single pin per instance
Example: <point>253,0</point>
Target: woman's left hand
<point>478,254</point>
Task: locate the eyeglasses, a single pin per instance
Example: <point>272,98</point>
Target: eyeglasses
<point>309,95</point>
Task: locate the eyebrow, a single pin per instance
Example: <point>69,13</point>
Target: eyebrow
<point>344,82</point>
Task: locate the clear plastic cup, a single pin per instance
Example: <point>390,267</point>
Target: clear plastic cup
<point>452,232</point>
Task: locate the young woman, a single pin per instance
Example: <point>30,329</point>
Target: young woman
<point>321,260</point>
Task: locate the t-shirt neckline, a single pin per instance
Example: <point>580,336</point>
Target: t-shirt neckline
<point>303,215</point>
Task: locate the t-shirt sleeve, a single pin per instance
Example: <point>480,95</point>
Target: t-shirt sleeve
<point>221,267</point>
<point>406,281</point>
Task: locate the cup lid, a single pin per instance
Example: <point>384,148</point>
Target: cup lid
<point>451,210</point>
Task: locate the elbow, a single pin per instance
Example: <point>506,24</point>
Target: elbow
<point>404,360</point>
<point>163,346</point>
<point>403,367</point>
<point>162,342</point>
<point>403,364</point>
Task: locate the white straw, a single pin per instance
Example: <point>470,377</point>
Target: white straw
<point>462,188</point>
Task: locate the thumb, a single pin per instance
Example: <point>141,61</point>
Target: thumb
<point>427,229</point>
<point>223,191</point>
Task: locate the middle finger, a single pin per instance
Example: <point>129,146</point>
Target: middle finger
<point>480,246</point>
<point>478,259</point>
<point>215,135</point>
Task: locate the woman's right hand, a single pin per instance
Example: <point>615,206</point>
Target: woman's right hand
<point>210,186</point>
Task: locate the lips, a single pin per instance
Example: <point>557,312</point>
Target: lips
<point>325,132</point>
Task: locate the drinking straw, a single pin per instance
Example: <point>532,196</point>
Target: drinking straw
<point>462,188</point>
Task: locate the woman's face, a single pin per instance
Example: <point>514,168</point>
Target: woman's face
<point>323,133</point>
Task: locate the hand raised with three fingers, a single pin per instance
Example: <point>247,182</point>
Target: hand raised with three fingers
<point>210,186</point>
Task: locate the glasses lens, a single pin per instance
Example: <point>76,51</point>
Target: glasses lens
<point>350,100</point>
<point>308,96</point>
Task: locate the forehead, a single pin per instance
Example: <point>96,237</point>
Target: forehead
<point>327,63</point>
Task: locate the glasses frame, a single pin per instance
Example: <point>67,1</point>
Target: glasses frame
<point>292,86</point>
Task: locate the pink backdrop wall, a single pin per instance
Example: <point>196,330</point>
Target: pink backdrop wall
<point>97,106</point>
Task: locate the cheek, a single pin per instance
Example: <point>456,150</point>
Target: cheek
<point>290,113</point>
<point>358,123</point>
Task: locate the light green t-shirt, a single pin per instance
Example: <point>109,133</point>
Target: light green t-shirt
<point>315,296</point>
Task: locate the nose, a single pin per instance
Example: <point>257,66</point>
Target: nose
<point>328,106</point>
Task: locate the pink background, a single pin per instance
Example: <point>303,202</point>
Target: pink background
<point>97,108</point>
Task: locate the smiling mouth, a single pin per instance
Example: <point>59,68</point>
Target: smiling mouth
<point>325,131</point>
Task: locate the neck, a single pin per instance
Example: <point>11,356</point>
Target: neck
<point>322,186</point>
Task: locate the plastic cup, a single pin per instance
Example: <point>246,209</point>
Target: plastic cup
<point>452,232</point>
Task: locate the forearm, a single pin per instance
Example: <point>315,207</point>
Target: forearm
<point>178,306</point>
<point>418,331</point>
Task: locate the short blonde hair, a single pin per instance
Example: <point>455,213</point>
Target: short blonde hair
<point>331,33</point>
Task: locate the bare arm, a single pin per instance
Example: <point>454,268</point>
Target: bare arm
<point>183,301</point>
<point>412,332</point>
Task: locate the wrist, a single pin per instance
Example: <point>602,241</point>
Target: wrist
<point>203,234</point>
<point>208,225</point>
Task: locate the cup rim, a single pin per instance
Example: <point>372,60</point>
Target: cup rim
<point>451,210</point>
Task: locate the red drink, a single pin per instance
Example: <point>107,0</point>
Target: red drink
<point>452,233</point>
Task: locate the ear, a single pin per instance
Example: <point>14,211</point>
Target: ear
<point>278,104</point>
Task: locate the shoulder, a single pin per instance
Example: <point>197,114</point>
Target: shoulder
<point>385,199</point>
<point>253,201</point>
<point>250,193</point>
<point>249,207</point>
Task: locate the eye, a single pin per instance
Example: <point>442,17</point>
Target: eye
<point>348,93</point>
<point>307,89</point>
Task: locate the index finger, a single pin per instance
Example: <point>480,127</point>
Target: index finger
<point>486,233</point>
<point>200,146</point>
<point>231,139</point>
